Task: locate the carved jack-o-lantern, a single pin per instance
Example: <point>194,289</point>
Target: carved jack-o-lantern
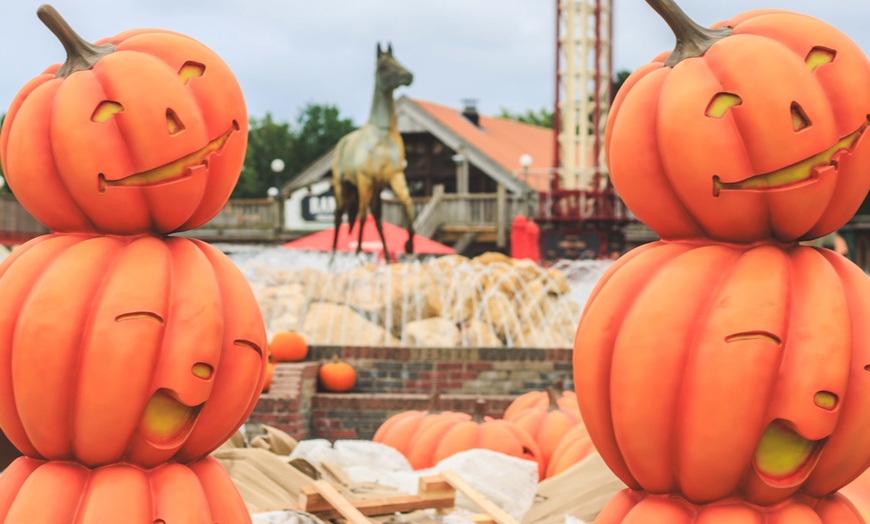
<point>117,348</point>
<point>715,371</point>
<point>143,132</point>
<point>750,131</point>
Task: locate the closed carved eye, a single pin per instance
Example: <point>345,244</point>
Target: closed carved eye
<point>799,118</point>
<point>819,56</point>
<point>140,315</point>
<point>721,103</point>
<point>105,110</point>
<point>190,70</point>
<point>248,344</point>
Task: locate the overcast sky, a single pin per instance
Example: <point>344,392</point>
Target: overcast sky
<point>287,53</point>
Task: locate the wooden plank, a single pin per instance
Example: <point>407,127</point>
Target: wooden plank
<point>341,504</point>
<point>497,514</point>
<point>439,496</point>
<point>432,483</point>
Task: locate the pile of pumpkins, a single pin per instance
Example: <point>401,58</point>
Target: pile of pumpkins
<point>541,426</point>
<point>289,346</point>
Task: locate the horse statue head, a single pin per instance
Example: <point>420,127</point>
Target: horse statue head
<point>390,73</point>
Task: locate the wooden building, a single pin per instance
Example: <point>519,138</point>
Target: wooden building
<point>469,176</point>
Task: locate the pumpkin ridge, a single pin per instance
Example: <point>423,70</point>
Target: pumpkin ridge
<point>703,316</point>
<point>21,253</point>
<point>97,293</point>
<point>649,251</point>
<point>671,192</point>
<point>59,175</point>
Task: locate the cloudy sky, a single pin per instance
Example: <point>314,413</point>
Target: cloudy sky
<point>287,53</point>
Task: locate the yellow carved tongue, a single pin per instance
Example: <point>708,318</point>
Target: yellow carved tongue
<point>165,418</point>
<point>781,452</point>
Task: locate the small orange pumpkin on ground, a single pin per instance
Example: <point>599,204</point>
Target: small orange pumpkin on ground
<point>574,446</point>
<point>450,436</point>
<point>547,425</point>
<point>399,431</point>
<point>270,370</point>
<point>288,346</point>
<point>567,400</point>
<point>337,376</point>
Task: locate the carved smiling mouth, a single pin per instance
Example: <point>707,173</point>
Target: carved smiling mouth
<point>175,170</point>
<point>166,421</point>
<point>805,171</point>
<point>783,458</point>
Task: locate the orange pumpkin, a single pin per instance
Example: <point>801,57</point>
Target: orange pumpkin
<point>447,437</point>
<point>136,349</point>
<point>288,346</point>
<point>566,400</point>
<point>547,425</point>
<point>67,493</point>
<point>717,370</point>
<point>574,446</point>
<point>632,507</point>
<point>757,135</point>
<point>142,132</point>
<point>270,371</point>
<point>400,430</point>
<point>336,376</point>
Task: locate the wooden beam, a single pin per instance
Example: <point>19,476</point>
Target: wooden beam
<point>497,514</point>
<point>341,504</point>
<point>435,493</point>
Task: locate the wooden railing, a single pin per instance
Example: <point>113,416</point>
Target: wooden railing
<point>17,225</point>
<point>247,214</point>
<point>474,212</point>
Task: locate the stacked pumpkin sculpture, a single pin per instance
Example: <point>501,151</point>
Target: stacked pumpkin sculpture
<point>126,356</point>
<point>722,372</point>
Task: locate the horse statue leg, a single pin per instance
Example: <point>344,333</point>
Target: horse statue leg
<point>400,188</point>
<point>376,212</point>
<point>364,190</point>
<point>346,201</point>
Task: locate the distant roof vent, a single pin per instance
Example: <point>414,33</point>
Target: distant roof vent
<point>469,111</point>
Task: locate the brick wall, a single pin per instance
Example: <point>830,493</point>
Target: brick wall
<point>463,371</point>
<point>343,416</point>
<point>287,405</point>
<point>391,380</point>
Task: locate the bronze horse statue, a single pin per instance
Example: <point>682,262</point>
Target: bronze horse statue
<point>372,157</point>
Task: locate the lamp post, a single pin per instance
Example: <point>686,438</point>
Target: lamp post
<point>274,192</point>
<point>526,163</point>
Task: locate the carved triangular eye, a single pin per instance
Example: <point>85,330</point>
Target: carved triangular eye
<point>173,122</point>
<point>819,56</point>
<point>799,118</point>
<point>721,103</point>
<point>105,110</point>
<point>190,70</point>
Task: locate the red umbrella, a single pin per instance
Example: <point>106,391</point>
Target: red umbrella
<point>371,242</point>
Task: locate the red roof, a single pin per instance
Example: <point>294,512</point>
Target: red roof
<point>502,140</point>
<point>371,242</point>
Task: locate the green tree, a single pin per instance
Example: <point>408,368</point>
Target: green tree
<point>317,129</point>
<point>541,118</point>
<point>544,117</point>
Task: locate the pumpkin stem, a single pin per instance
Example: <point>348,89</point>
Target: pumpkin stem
<point>335,358</point>
<point>559,387</point>
<point>692,39</point>
<point>554,399</point>
<point>81,55</point>
<point>479,409</point>
<point>434,404</point>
